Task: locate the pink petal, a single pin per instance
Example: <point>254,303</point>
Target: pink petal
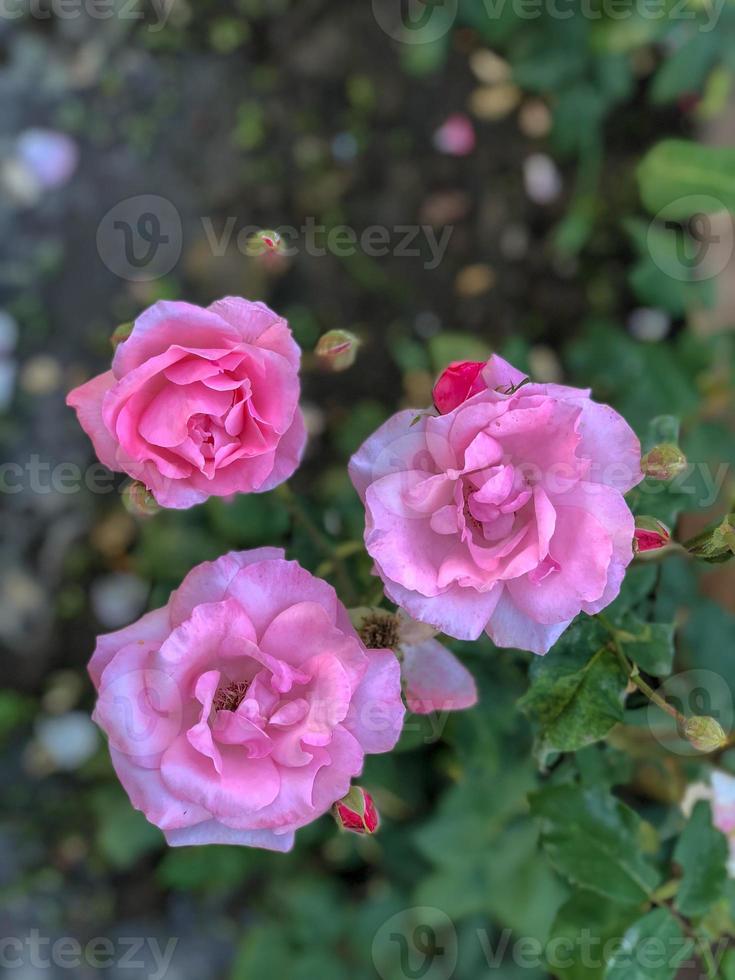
<point>435,680</point>
<point>213,832</point>
<point>509,627</point>
<point>376,713</point>
<point>87,401</point>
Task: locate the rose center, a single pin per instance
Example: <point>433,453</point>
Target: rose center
<point>231,697</point>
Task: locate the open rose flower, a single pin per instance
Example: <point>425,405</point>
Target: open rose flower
<point>506,514</point>
<point>433,678</point>
<point>199,402</point>
<point>241,710</point>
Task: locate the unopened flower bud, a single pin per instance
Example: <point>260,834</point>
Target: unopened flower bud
<point>356,812</point>
<point>457,383</point>
<point>716,543</point>
<point>138,500</point>
<point>265,240</point>
<point>650,534</point>
<point>664,462</point>
<point>337,349</point>
<point>704,733</point>
<point>121,333</point>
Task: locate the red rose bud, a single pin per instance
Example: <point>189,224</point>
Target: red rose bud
<point>457,383</point>
<point>356,812</point>
<point>336,350</point>
<point>121,333</point>
<point>650,534</point>
<point>664,462</point>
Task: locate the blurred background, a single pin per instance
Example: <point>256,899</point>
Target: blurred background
<point>447,178</point>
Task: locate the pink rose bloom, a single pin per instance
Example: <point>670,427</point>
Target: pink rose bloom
<point>242,709</point>
<point>199,402</point>
<point>506,514</point>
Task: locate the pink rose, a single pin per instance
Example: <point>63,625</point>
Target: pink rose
<point>199,402</point>
<point>506,514</point>
<point>242,709</point>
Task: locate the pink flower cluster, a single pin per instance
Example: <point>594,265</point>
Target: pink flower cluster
<point>243,709</point>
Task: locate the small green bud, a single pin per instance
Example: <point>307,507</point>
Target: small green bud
<point>704,733</point>
<point>337,349</point>
<point>121,333</point>
<point>664,462</point>
<point>138,500</point>
<point>716,543</point>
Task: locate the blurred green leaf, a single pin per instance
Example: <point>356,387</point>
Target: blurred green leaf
<point>652,949</point>
<point>702,853</point>
<point>685,177</point>
<point>595,841</point>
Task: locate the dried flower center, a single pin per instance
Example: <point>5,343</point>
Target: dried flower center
<point>379,632</point>
<point>231,697</point>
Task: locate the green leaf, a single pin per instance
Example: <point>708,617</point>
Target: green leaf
<point>595,841</point>
<point>702,853</point>
<point>650,645</point>
<point>581,930</point>
<point>652,949</point>
<point>686,69</point>
<point>575,698</point>
<point>686,178</point>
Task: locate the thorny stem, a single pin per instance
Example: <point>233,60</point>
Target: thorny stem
<point>327,547</point>
<point>634,674</point>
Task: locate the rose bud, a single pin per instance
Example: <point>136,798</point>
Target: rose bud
<point>262,241</point>
<point>650,535</point>
<point>457,383</point>
<point>704,733</point>
<point>664,462</point>
<point>716,543</point>
<point>138,500</point>
<point>121,333</point>
<point>357,812</point>
<point>336,350</point>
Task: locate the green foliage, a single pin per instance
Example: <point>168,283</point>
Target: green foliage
<point>577,690</point>
<point>596,842</point>
<point>684,178</point>
<point>701,851</point>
